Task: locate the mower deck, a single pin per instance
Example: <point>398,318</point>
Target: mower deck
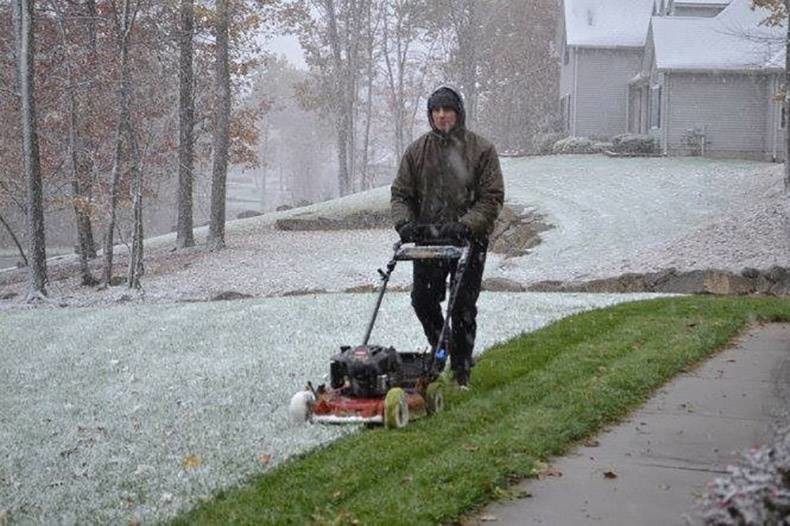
<point>331,407</point>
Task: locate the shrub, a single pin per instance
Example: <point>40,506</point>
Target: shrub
<point>755,492</point>
<point>543,143</point>
<point>633,143</point>
<point>575,145</point>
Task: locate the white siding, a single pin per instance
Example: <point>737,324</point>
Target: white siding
<point>602,90</point>
<point>730,107</point>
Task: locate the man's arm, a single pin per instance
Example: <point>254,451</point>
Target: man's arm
<point>402,200</point>
<point>481,217</point>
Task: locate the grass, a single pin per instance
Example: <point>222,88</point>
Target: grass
<point>532,397</point>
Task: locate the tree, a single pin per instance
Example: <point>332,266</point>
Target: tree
<point>24,25</point>
<point>328,31</point>
<point>186,116</point>
<point>216,237</point>
<point>519,81</point>
<point>125,141</point>
<point>77,163</point>
<point>402,25</point>
<point>779,10</point>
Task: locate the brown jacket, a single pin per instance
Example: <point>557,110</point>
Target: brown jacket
<point>447,178</point>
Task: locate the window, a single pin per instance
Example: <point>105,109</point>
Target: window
<point>655,107</point>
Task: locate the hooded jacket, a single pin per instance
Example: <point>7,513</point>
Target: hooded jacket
<point>444,178</point>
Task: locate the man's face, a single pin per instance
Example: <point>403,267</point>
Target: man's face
<point>444,118</point>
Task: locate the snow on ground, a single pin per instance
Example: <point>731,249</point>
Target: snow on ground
<point>139,410</point>
<point>638,215</point>
<point>136,412</point>
<point>610,215</point>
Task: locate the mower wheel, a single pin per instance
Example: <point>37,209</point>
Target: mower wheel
<point>434,398</point>
<point>396,410</point>
<point>300,407</point>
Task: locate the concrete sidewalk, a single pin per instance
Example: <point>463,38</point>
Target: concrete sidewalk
<point>652,468</point>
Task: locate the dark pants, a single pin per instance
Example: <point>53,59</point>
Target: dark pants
<point>430,289</point>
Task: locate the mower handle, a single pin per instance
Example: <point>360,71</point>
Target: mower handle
<point>413,252</point>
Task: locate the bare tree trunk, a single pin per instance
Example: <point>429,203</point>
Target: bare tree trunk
<point>787,100</point>
<point>342,119</point>
<point>16,241</point>
<point>136,268</point>
<point>216,237</point>
<point>365,176</point>
<point>465,24</point>
<point>87,168</point>
<point>79,201</point>
<point>25,31</point>
<point>123,29</point>
<point>186,118</point>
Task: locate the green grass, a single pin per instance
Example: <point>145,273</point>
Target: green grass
<point>532,397</point>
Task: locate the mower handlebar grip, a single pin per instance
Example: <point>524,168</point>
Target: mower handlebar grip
<point>411,252</point>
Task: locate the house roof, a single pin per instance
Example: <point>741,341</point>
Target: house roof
<point>732,40</point>
<point>607,23</point>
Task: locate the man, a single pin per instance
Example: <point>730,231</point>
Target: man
<point>449,178</point>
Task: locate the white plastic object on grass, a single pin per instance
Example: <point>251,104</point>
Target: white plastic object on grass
<point>299,408</point>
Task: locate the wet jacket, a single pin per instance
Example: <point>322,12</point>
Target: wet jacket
<point>445,178</point>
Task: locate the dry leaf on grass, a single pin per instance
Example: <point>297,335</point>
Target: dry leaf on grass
<point>191,461</point>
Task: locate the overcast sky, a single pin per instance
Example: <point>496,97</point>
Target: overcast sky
<point>289,46</point>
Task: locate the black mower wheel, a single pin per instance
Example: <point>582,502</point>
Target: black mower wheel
<point>434,398</point>
<point>396,410</point>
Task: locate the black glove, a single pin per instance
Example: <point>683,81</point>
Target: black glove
<point>457,232</point>
<point>408,232</point>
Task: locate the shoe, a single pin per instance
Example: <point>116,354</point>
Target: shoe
<point>461,378</point>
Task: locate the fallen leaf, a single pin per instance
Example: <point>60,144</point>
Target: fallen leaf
<point>609,475</point>
<point>536,470</point>
<point>731,360</point>
<point>591,442</point>
<point>191,461</point>
<point>337,494</point>
<point>264,459</point>
<point>408,479</point>
<point>549,472</point>
<point>471,447</point>
<point>488,518</point>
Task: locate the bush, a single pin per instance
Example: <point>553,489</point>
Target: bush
<point>543,143</point>
<point>576,145</point>
<point>755,492</point>
<point>633,143</point>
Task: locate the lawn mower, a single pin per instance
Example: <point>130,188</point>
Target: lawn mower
<point>375,384</point>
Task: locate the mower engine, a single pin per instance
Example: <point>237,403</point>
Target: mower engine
<point>367,370</point>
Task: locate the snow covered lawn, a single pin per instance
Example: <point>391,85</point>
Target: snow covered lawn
<point>640,215</point>
<point>610,216</point>
<point>137,411</point>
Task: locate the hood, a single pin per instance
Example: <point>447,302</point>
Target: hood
<point>448,97</point>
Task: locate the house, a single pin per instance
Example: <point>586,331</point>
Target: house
<point>707,85</point>
<point>705,82</point>
<point>601,44</point>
